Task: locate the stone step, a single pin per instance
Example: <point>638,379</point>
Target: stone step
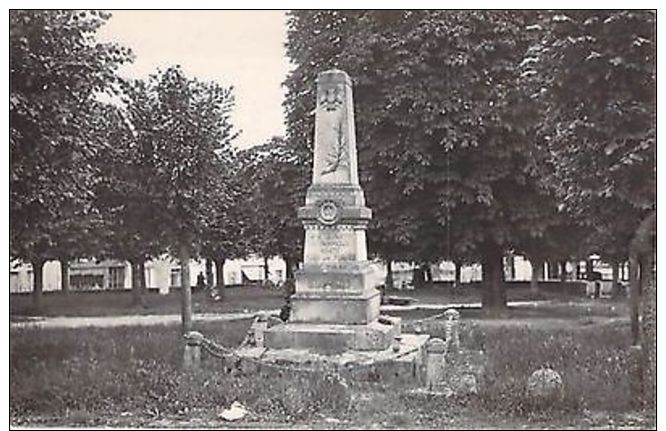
<point>334,338</point>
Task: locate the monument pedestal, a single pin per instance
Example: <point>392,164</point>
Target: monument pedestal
<point>335,292</point>
<point>340,313</point>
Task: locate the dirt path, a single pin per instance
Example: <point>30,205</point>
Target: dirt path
<point>461,305</point>
<point>114,321</point>
<point>172,319</point>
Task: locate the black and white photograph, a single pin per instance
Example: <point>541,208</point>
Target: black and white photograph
<point>332,218</point>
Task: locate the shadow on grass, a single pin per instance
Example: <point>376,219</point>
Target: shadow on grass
<point>121,302</point>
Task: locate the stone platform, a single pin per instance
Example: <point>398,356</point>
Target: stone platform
<point>405,365</point>
<point>327,338</point>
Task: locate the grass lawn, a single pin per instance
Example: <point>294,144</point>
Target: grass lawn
<point>578,312</point>
<point>113,303</point>
<point>516,291</point>
<point>250,298</point>
<point>130,377</point>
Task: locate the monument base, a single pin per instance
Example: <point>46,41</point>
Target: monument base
<point>337,309</point>
<point>326,338</point>
<point>335,293</point>
<point>403,364</point>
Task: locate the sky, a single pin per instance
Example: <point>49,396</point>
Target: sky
<point>244,49</point>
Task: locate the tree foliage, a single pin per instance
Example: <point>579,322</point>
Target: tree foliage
<point>181,126</point>
<point>594,72</point>
<point>56,70</point>
<point>227,233</point>
<point>277,188</point>
<point>443,128</point>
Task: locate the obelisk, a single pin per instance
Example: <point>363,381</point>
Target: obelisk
<point>335,302</point>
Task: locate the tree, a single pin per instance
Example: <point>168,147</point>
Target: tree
<point>277,189</point>
<point>597,79</point>
<point>56,70</point>
<point>226,235</point>
<point>185,125</point>
<point>127,199</point>
<point>444,126</point>
<point>562,240</point>
<point>595,73</point>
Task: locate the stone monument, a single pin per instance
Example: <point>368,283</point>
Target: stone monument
<point>335,306</point>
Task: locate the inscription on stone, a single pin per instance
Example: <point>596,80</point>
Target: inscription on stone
<point>332,244</point>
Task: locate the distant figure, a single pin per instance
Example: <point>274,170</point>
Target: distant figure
<point>201,281</point>
<point>594,285</point>
<point>289,288</point>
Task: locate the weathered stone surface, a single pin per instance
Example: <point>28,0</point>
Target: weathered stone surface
<point>334,244</point>
<point>435,366</point>
<point>436,345</point>
<point>545,384</point>
<point>452,329</point>
<point>452,372</point>
<point>320,307</point>
<point>335,135</point>
<point>332,338</point>
<point>192,351</point>
<point>404,367</point>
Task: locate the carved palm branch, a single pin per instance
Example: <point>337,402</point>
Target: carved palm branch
<point>336,154</point>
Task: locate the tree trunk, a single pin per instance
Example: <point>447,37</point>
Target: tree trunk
<point>138,280</point>
<point>457,277</point>
<point>494,294</point>
<point>289,271</point>
<point>428,274</point>
<point>537,269</point>
<point>219,273</point>
<point>209,273</point>
<point>634,298</point>
<point>38,284</point>
<point>511,264</point>
<point>185,289</point>
<point>142,277</point>
<point>64,275</point>
<point>552,270</point>
<point>266,272</point>
<point>642,252</point>
<point>388,282</point>
<point>649,328</point>
<point>563,271</point>
<point>615,287</point>
<point>589,269</point>
<point>418,276</point>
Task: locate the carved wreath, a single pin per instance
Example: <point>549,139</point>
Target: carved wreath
<point>331,98</point>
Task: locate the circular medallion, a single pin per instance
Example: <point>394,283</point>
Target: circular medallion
<point>328,212</point>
